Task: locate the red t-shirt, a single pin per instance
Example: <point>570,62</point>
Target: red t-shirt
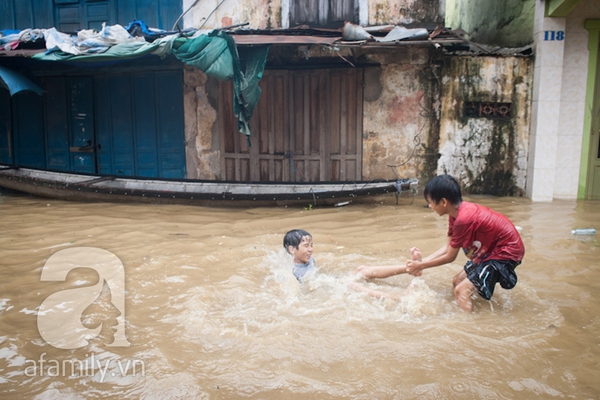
<point>484,234</point>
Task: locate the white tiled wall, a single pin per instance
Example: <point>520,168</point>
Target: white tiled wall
<point>548,73</point>
<point>560,83</point>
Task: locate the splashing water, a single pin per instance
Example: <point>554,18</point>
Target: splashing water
<point>213,310</point>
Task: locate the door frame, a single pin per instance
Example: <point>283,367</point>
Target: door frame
<point>590,144</point>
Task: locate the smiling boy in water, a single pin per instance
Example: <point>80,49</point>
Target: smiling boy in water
<point>489,239</point>
<point>299,244</point>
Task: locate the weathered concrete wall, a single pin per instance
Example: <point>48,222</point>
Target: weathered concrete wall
<point>405,12</point>
<point>201,141</point>
<point>208,14</point>
<point>414,124</point>
<point>487,155</point>
<point>401,115</point>
<point>268,14</point>
<point>507,23</point>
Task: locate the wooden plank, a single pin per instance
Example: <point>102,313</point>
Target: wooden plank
<point>358,118</point>
<point>323,128</point>
<point>103,127</point>
<point>265,173</point>
<point>121,99</point>
<point>314,171</point>
<point>323,13</point>
<point>351,170</point>
<point>57,126</point>
<point>297,107</point>
<point>335,117</point>
<point>348,112</point>
<point>278,170</point>
<point>335,170</point>
<point>305,12</point>
<point>6,151</point>
<point>226,111</point>
<point>314,107</point>
<point>81,122</point>
<point>244,168</point>
<point>229,168</point>
<point>168,104</point>
<point>28,130</point>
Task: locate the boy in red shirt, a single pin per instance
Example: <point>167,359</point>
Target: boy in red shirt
<point>488,239</point>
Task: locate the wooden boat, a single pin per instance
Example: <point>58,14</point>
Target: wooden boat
<point>86,187</point>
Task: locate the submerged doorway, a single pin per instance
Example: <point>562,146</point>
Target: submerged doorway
<point>307,127</point>
<point>126,123</point>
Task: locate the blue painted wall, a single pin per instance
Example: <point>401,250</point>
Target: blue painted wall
<point>72,15</point>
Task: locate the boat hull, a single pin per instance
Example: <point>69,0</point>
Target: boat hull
<point>84,187</point>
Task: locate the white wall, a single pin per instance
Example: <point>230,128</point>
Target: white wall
<point>559,91</point>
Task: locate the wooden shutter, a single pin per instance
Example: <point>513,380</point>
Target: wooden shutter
<point>307,127</point>
<point>323,13</point>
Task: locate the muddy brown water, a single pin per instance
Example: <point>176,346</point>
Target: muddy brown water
<point>212,311</point>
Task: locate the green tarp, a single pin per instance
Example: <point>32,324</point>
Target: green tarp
<point>215,54</point>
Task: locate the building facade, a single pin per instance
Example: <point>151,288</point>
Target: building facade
<point>563,158</point>
<point>342,111</point>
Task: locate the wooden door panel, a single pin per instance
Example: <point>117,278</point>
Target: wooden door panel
<point>306,127</point>
<point>6,152</point>
<point>28,125</point>
<point>324,13</point>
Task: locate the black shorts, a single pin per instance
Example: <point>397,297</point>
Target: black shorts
<point>485,275</point>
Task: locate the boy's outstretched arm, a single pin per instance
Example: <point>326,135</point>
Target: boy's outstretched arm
<point>444,255</point>
<point>384,271</point>
<point>381,271</point>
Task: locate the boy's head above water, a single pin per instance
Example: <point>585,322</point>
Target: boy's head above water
<point>443,187</point>
<point>299,244</point>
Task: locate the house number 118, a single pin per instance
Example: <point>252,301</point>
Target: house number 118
<point>554,35</point>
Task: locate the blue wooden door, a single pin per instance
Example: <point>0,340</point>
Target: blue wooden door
<point>6,152</point>
<point>28,130</point>
<point>139,124</point>
<point>69,122</point>
<point>57,126</point>
<point>82,144</point>
<point>170,134</point>
<point>22,129</point>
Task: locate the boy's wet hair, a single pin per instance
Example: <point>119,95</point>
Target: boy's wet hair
<point>294,238</point>
<point>443,187</point>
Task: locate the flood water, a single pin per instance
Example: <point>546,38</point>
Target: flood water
<point>212,310</point>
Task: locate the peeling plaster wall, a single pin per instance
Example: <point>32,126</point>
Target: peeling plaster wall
<point>406,12</point>
<point>201,145</point>
<point>487,155</point>
<point>267,14</point>
<point>401,115</point>
<point>259,14</point>
<point>413,120</point>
